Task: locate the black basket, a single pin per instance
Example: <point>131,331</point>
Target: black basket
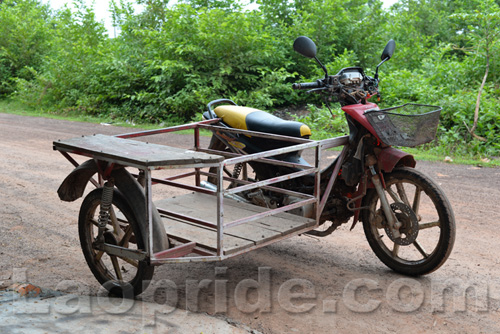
<point>407,125</point>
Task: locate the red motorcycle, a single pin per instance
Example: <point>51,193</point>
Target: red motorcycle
<point>252,187</point>
<point>407,219</point>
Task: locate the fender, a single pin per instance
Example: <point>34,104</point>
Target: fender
<point>74,185</point>
<point>389,158</point>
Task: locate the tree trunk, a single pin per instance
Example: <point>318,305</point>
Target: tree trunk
<point>478,101</point>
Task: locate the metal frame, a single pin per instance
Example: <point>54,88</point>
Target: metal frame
<point>184,247</point>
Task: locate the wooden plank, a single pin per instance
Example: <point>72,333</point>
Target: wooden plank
<point>205,237</point>
<point>127,151</point>
<point>203,206</point>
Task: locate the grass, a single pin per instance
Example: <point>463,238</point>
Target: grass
<point>17,108</point>
<point>422,154</point>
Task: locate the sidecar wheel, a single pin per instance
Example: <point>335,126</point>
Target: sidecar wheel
<point>120,276</point>
<point>428,223</point>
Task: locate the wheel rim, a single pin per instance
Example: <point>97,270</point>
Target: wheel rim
<point>119,232</point>
<point>420,201</point>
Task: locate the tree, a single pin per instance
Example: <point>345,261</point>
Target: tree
<point>484,36</point>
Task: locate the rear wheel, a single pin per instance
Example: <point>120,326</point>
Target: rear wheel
<point>428,230</point>
<point>119,275</point>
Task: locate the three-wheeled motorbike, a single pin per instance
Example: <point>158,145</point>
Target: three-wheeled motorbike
<point>251,185</point>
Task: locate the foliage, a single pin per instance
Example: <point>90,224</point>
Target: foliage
<point>168,60</point>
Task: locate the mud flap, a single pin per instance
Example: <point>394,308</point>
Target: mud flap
<point>74,185</point>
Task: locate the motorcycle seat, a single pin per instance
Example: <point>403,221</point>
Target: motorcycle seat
<point>246,118</point>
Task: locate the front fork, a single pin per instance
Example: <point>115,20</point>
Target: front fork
<point>394,224</point>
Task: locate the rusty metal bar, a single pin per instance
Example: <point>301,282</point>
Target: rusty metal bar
<point>332,180</point>
<point>178,251</point>
<point>70,158</point>
<point>273,180</point>
<point>256,134</point>
<point>334,142</point>
<point>166,130</point>
<point>183,186</point>
<point>269,242</point>
<point>200,250</point>
<point>269,161</point>
<point>76,164</point>
<point>271,188</point>
<point>178,176</point>
<point>187,218</point>
<point>149,209</point>
<point>265,154</point>
<point>220,210</point>
<point>119,251</point>
<point>270,212</point>
<point>317,184</point>
<point>188,259</point>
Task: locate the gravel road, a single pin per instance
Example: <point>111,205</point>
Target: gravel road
<point>339,284</point>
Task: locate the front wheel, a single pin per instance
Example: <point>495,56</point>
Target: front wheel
<point>119,275</point>
<point>428,224</point>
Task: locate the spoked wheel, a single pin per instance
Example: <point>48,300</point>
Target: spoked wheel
<point>428,224</point>
<point>119,275</point>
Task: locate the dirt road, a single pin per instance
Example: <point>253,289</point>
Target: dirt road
<point>305,285</point>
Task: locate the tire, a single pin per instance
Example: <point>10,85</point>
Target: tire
<point>432,213</point>
<point>135,275</point>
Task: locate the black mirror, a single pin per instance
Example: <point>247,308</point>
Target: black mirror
<point>388,50</point>
<point>305,46</point>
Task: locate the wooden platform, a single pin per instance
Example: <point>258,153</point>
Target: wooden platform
<point>236,238</point>
<point>134,153</point>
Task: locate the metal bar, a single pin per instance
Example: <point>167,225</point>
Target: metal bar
<point>196,138</point>
<point>269,161</point>
<point>271,241</point>
<point>178,176</point>
<point>170,178</point>
<point>197,178</point>
<point>197,148</point>
<point>317,184</point>
<point>187,218</point>
<point>200,250</point>
<point>271,188</point>
<point>121,252</point>
<point>76,164</point>
<point>266,182</point>
<point>333,178</point>
<point>167,130</point>
<point>270,212</point>
<point>178,251</point>
<point>149,209</point>
<point>183,186</point>
<point>334,142</point>
<point>270,153</point>
<point>220,210</point>
<point>70,158</point>
<point>188,259</point>
<point>257,134</point>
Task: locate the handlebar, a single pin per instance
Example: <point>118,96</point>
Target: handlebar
<point>308,85</point>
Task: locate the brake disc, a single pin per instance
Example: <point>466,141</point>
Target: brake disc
<point>409,228</point>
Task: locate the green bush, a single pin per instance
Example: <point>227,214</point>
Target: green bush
<point>169,61</point>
